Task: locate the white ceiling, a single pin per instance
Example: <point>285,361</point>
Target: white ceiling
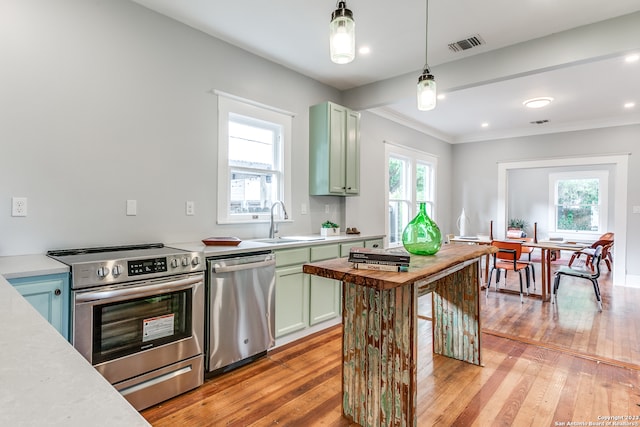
<point>588,93</point>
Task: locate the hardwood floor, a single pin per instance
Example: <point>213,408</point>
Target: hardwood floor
<point>544,364</point>
<point>574,323</point>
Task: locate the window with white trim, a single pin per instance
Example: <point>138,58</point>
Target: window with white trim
<point>253,160</point>
<point>578,201</point>
<point>410,181</point>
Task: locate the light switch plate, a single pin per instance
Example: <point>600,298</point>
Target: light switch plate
<point>190,208</point>
<point>636,209</point>
<point>132,207</point>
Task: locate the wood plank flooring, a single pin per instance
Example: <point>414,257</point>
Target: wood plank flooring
<point>574,323</point>
<point>545,365</point>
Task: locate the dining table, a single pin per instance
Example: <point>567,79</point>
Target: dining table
<point>547,248</point>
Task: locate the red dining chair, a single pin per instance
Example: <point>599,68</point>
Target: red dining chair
<point>527,250</point>
<point>507,259</point>
<point>606,241</point>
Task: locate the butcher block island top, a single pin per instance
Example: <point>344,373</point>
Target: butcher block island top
<point>379,327</point>
<point>421,268</point>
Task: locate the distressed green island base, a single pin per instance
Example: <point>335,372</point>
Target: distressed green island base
<point>379,314</point>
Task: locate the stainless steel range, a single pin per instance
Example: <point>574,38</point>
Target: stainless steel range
<point>138,317</point>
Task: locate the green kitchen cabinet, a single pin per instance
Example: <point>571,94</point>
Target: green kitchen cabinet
<point>325,295</point>
<point>334,150</point>
<point>292,291</point>
<point>346,247</point>
<point>292,300</point>
<point>372,243</point>
<point>375,244</point>
<point>302,300</point>
<point>49,295</point>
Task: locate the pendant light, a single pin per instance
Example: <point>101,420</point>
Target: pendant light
<point>342,35</point>
<point>426,81</point>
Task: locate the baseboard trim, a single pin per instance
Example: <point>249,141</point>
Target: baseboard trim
<point>632,281</point>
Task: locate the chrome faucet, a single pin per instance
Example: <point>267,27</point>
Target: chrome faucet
<point>274,226</point>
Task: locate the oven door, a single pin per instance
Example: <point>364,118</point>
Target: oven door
<point>131,329</point>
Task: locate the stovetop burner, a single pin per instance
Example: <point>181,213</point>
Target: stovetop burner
<point>101,249</point>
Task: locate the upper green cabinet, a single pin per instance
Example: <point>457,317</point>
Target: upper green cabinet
<point>334,150</point>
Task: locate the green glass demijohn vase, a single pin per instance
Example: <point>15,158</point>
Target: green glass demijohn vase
<point>422,235</point>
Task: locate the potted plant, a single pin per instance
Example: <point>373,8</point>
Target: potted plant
<point>329,228</point>
<point>516,227</point>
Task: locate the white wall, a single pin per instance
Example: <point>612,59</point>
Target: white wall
<point>107,101</point>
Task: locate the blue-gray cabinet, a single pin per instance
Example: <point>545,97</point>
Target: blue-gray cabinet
<point>49,295</point>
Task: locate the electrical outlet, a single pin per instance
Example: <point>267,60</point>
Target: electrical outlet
<point>327,209</point>
<point>190,208</point>
<point>303,209</point>
<point>18,206</point>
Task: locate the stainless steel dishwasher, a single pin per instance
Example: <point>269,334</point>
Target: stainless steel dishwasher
<point>240,325</point>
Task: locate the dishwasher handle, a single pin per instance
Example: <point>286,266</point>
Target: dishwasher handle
<point>240,267</point>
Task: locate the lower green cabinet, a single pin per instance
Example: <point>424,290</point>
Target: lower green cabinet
<point>325,299</point>
<point>302,300</point>
<point>49,295</point>
<point>292,291</point>
<point>325,293</point>
<point>292,300</point>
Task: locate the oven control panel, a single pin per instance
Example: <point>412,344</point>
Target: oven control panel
<point>147,266</point>
<point>106,272</point>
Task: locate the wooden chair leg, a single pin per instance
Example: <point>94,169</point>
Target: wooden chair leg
<point>574,257</point>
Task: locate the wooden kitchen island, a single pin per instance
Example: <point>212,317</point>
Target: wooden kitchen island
<point>379,314</point>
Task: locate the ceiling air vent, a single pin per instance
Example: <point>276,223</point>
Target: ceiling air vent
<point>466,44</point>
<point>539,122</point>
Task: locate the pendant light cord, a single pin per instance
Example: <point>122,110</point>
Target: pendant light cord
<point>426,37</point>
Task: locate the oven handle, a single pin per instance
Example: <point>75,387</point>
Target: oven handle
<point>137,291</point>
<point>240,267</point>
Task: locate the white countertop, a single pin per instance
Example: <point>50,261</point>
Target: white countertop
<point>44,381</point>
<point>12,267</point>
<point>247,246</point>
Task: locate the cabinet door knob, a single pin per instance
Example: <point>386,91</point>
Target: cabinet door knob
<point>57,292</point>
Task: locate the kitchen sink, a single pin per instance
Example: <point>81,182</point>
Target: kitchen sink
<point>288,239</point>
<point>275,241</point>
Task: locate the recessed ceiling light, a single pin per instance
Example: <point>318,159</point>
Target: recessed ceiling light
<point>441,96</point>
<point>364,50</point>
<point>485,125</point>
<point>629,104</point>
<point>538,102</point>
<point>632,58</point>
